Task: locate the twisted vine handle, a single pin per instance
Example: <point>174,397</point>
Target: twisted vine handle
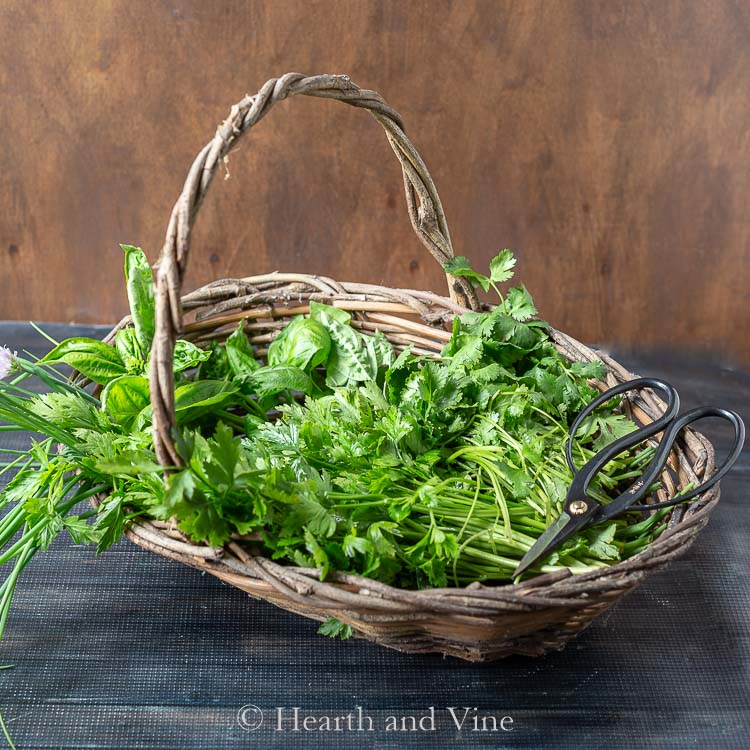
<point>423,203</point>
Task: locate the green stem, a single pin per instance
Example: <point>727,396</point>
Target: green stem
<point>10,583</point>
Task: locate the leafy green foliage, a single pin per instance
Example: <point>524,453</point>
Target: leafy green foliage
<point>461,266</point>
<point>94,359</point>
<point>125,398</point>
<point>193,399</point>
<point>353,358</point>
<point>304,343</point>
<point>268,381</point>
<point>187,355</point>
<point>501,267</point>
<point>131,354</point>
<point>334,628</point>
<point>418,471</point>
<point>140,285</point>
<point>239,354</point>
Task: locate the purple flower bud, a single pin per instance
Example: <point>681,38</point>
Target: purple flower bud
<point>7,365</point>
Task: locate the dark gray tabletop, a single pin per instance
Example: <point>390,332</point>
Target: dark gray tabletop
<point>129,650</point>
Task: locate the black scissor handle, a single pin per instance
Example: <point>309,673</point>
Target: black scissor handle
<point>627,501</point>
<point>628,441</point>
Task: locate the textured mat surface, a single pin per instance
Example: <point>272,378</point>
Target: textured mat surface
<point>129,650</point>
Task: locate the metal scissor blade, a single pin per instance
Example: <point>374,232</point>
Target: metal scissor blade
<point>554,535</point>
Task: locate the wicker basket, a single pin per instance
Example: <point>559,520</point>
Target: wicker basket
<point>477,622</point>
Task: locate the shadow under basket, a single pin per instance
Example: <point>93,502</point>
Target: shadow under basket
<point>477,622</point>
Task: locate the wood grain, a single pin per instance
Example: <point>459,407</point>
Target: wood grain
<point>607,142</point>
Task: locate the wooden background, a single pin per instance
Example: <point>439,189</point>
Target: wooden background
<point>606,142</point>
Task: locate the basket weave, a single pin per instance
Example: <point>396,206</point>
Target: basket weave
<point>477,622</point>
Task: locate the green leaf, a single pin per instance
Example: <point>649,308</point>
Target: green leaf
<point>79,529</point>
<point>303,343</point>
<point>334,628</point>
<point>611,427</point>
<point>327,313</point>
<point>126,343</point>
<point>140,285</point>
<point>460,266</point>
<point>69,410</point>
<point>49,531</point>
<point>307,512</point>
<point>188,355</point>
<point>22,487</point>
<point>224,455</point>
<point>601,543</point>
<point>380,350</point>
<point>403,358</point>
<point>216,367</point>
<point>180,488</point>
<point>319,554</point>
<point>353,544</point>
<point>501,266</point>
<point>205,524</point>
<point>595,369</point>
<point>239,353</point>
<point>469,353</point>
<point>125,398</point>
<point>97,361</point>
<point>130,463</point>
<point>268,381</point>
<point>479,324</point>
<point>351,359</point>
<point>194,399</point>
<point>110,523</point>
<point>519,304</point>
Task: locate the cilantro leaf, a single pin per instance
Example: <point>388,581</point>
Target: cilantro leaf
<point>501,266</point>
<point>596,369</point>
<point>519,304</point>
<point>460,266</point>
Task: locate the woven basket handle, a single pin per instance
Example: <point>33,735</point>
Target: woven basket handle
<point>425,212</point>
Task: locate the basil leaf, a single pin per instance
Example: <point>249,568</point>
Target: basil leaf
<point>240,353</point>
<point>268,381</point>
<point>94,359</point>
<point>125,398</point>
<point>140,285</point>
<point>187,355</point>
<point>194,399</point>
<point>126,343</point>
<point>380,350</point>
<point>351,360</point>
<point>303,343</point>
<point>216,367</point>
<point>327,313</point>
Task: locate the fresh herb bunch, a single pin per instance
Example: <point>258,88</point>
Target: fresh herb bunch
<point>419,471</point>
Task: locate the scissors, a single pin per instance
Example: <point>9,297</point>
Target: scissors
<point>580,511</point>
